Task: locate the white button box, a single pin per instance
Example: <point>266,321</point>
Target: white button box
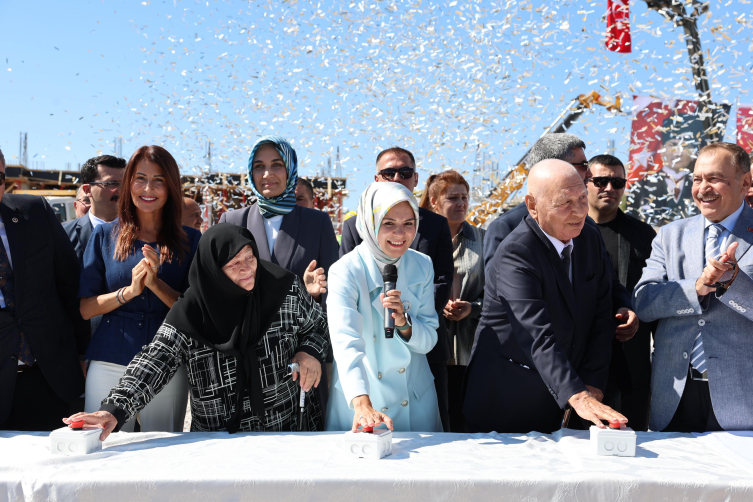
<point>615,442</point>
<point>66,441</point>
<point>376,445</point>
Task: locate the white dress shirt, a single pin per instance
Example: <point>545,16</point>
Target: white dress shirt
<point>272,228</point>
<point>560,246</point>
<point>98,221</point>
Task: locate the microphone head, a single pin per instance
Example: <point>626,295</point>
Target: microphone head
<point>390,273</point>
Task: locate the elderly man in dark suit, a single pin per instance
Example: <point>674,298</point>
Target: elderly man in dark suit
<point>571,149</point>
<point>544,339</point>
<point>434,240</point>
<point>42,333</point>
<point>100,178</point>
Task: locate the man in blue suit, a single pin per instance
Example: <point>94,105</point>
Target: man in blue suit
<point>545,336</point>
<point>571,149</point>
<point>434,240</point>
<point>100,178</point>
<point>697,284</point>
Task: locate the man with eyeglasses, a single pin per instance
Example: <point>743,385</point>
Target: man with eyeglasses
<point>628,243</point>
<point>81,204</point>
<point>100,178</point>
<point>432,239</point>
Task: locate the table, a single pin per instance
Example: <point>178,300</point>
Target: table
<point>301,467</point>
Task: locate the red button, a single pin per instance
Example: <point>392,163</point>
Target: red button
<point>77,425</point>
<point>614,424</point>
<point>368,429</point>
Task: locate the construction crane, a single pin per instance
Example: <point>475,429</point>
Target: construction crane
<point>516,177</point>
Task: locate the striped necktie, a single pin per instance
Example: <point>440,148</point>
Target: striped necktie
<point>698,355</point>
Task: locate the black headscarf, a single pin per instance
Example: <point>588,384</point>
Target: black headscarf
<point>220,314</point>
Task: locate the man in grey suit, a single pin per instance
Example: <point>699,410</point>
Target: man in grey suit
<point>100,178</point>
<point>697,284</point>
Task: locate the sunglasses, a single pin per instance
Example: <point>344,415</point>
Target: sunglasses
<point>579,165</point>
<point>106,184</point>
<point>604,181</point>
<point>405,173</point>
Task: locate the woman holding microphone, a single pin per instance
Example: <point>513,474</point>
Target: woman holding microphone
<point>379,380</point>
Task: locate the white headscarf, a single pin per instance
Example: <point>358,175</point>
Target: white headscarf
<point>375,202</point>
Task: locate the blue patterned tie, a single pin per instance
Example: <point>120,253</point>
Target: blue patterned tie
<point>9,295</point>
<point>698,355</point>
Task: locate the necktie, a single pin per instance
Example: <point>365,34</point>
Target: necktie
<point>566,260</point>
<point>9,295</point>
<point>697,355</point>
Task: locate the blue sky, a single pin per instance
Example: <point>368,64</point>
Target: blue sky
<point>437,77</point>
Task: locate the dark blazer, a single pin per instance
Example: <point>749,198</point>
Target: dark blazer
<point>305,235</point>
<point>46,278</point>
<point>434,240</point>
<point>630,369</point>
<point>557,336</point>
<point>79,231</point>
<point>506,223</point>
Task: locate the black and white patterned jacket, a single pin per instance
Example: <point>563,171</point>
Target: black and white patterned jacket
<point>301,326</point>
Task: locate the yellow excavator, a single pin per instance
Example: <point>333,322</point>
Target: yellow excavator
<point>516,177</point>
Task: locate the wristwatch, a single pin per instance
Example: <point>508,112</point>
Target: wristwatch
<point>725,280</point>
<point>407,325</point>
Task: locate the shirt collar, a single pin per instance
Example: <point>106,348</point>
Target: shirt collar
<point>730,221</point>
<point>98,221</point>
<point>559,246</point>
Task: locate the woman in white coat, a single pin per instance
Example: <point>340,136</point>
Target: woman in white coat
<point>379,381</point>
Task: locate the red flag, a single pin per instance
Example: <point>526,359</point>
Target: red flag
<point>745,127</point>
<point>618,26</point>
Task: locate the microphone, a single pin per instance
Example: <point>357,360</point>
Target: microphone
<point>390,280</point>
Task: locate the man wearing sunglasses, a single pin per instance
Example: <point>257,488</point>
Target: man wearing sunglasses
<point>432,239</point>
<point>100,178</point>
<point>628,243</point>
<point>42,334</point>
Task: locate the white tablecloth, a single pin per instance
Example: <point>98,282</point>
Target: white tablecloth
<point>312,466</point>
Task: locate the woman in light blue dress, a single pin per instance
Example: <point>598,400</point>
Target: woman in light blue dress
<point>379,381</point>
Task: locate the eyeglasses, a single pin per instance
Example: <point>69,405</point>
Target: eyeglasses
<point>85,202</point>
<point>106,184</point>
<point>603,181</point>
<point>579,165</point>
<point>405,173</point>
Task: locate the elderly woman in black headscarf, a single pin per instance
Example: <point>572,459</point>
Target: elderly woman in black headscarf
<point>237,327</point>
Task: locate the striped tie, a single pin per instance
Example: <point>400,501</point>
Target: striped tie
<point>697,355</point>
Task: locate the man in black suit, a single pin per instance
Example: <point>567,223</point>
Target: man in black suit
<point>544,339</point>
<point>42,334</point>
<point>434,240</point>
<point>571,149</point>
<point>628,243</point>
<point>100,178</point>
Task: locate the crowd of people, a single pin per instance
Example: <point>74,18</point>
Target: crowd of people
<point>563,312</point>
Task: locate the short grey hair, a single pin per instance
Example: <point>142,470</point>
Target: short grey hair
<point>558,146</point>
<point>2,159</point>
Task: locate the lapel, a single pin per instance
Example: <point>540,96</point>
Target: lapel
<point>414,244</point>
<point>693,233</point>
<point>563,282</point>
<point>374,280</point>
<point>287,238</point>
<point>579,259</point>
<point>84,231</point>
<point>742,233</point>
<point>13,221</point>
<point>255,224</point>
